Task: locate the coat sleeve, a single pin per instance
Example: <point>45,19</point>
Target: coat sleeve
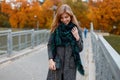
<point>80,41</point>
<point>50,55</point>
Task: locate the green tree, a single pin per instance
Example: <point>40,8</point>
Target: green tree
<point>4,22</point>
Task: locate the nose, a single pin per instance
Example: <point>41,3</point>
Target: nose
<point>64,19</point>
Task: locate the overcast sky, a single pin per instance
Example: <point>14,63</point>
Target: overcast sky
<point>41,0</point>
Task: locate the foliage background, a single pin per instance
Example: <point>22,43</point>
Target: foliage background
<point>104,14</point>
<point>24,15</point>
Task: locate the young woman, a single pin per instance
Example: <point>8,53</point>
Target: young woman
<point>64,45</point>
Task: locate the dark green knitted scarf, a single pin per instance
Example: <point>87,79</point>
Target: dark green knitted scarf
<point>62,36</point>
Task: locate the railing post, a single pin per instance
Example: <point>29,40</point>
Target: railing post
<point>37,38</point>
<point>9,42</point>
<point>91,27</point>
<point>19,41</point>
<point>32,38</point>
<point>26,40</point>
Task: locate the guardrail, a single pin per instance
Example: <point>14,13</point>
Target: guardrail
<point>107,60</point>
<point>12,42</point>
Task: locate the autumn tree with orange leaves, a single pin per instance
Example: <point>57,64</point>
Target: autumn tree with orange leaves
<point>29,15</point>
<point>106,14</point>
<point>34,15</point>
<point>22,14</point>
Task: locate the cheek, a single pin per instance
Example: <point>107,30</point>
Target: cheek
<point>69,19</point>
<point>61,20</point>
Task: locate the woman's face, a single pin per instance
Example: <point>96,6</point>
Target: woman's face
<point>65,18</point>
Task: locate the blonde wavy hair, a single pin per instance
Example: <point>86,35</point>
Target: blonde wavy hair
<point>64,8</point>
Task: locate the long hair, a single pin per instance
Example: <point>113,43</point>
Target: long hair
<point>64,8</point>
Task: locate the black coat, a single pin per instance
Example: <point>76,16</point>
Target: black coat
<point>68,67</point>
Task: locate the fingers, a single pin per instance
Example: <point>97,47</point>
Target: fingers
<point>52,65</point>
<point>75,33</point>
<point>54,68</point>
<point>74,29</point>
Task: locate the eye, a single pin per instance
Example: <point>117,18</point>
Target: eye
<point>66,16</point>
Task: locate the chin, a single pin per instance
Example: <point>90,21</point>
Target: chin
<point>66,23</point>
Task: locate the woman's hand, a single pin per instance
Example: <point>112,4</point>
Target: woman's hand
<point>75,33</point>
<point>52,65</point>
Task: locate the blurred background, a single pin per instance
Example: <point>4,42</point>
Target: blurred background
<point>38,14</point>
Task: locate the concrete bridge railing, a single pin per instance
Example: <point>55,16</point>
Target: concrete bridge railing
<point>107,60</point>
<point>12,42</point>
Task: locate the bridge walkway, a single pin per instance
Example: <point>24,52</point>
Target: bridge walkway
<point>33,65</point>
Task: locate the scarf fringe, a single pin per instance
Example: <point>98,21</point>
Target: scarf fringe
<point>81,70</point>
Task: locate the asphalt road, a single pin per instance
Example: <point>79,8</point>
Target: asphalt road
<point>33,66</point>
